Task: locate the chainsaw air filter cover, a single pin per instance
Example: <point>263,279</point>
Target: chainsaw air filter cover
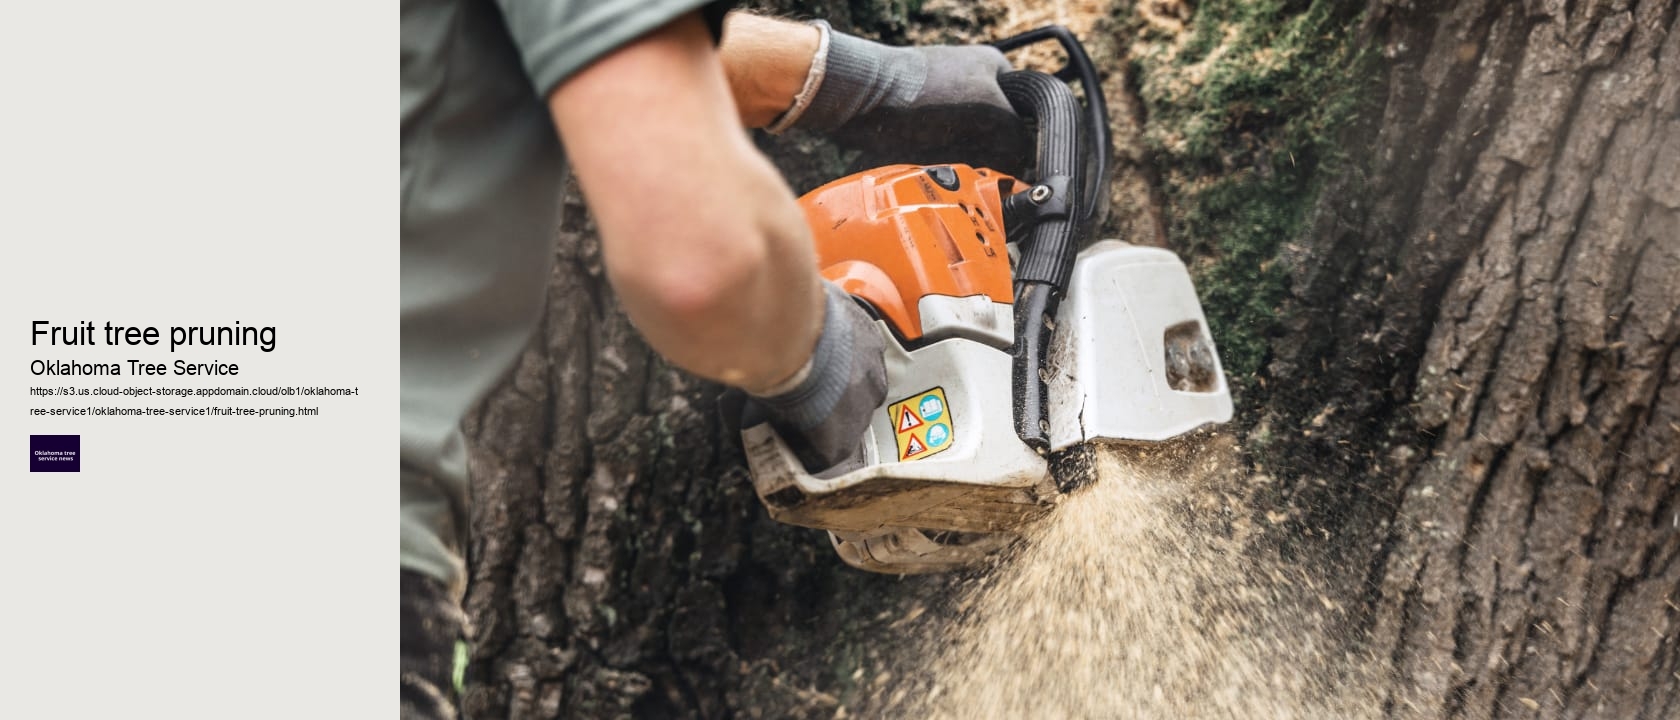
<point>897,234</point>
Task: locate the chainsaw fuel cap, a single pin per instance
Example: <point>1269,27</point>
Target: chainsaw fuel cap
<point>944,176</point>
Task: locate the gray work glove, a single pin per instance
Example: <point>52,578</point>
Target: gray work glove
<point>922,105</point>
<point>823,418</point>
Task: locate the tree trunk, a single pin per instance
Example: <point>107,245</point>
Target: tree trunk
<point>1471,395</point>
<point>1487,313</point>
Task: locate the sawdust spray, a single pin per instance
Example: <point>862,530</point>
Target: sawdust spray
<point>1119,605</point>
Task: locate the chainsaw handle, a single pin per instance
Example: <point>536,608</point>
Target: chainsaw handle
<point>1101,144</point>
<point>1055,197</point>
<point>1053,209</point>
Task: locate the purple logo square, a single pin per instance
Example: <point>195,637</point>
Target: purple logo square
<point>55,453</point>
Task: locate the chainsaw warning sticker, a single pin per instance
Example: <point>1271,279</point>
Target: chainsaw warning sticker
<point>922,424</point>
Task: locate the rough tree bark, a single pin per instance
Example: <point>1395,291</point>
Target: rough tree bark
<point>1480,333</point>
<point>1487,313</point>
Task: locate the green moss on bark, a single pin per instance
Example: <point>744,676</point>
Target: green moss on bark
<point>1245,103</point>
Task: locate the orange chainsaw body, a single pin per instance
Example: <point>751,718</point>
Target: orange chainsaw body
<point>895,234</point>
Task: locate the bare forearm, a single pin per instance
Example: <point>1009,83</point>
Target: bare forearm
<point>740,304</point>
<point>766,61</point>
<point>702,239</point>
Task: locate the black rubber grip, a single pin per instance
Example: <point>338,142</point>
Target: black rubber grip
<point>1068,197</point>
<point>1099,145</point>
<point>1047,255</point>
<point>1033,303</point>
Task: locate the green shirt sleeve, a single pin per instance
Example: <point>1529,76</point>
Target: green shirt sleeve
<point>557,38</point>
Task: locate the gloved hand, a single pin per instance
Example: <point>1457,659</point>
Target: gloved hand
<point>824,415</point>
<point>922,105</point>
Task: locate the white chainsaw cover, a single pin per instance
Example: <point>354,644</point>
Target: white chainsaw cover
<point>1109,362</point>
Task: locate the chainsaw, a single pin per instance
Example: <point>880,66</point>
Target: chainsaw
<point>1015,346</point>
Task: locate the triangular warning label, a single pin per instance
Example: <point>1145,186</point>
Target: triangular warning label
<point>907,420</point>
<point>914,447</point>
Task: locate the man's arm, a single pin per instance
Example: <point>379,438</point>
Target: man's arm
<point>702,239</point>
<point>923,105</point>
<point>767,62</point>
